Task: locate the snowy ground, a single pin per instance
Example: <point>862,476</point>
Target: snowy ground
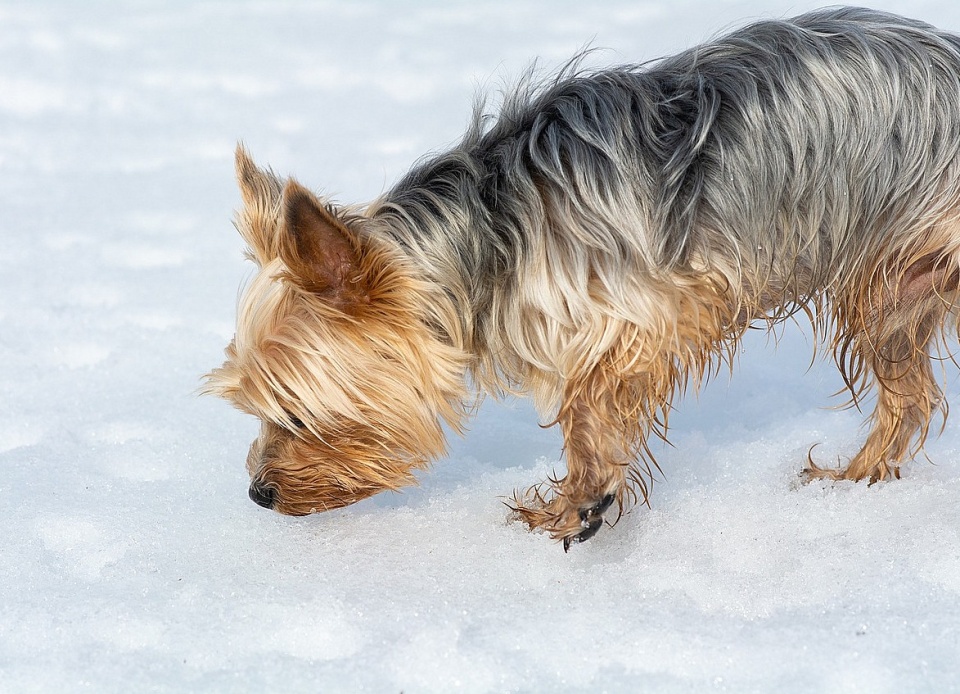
<point>132,559</point>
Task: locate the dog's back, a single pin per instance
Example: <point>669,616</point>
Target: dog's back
<point>821,145</point>
<point>788,136</point>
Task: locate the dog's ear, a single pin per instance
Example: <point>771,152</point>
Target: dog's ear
<point>319,249</point>
<point>257,222</point>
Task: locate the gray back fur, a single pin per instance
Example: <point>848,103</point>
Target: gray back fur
<point>785,155</point>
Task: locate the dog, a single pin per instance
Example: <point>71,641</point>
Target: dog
<point>602,244</point>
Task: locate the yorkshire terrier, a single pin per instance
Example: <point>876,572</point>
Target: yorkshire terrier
<point>604,241</point>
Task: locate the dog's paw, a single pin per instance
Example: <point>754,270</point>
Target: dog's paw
<point>565,521</point>
<point>814,473</point>
<point>876,473</point>
<point>591,519</point>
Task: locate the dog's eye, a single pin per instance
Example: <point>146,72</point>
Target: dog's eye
<point>295,421</point>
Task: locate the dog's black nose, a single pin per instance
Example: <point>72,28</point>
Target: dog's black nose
<point>261,495</point>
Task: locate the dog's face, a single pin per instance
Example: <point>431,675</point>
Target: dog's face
<point>332,352</point>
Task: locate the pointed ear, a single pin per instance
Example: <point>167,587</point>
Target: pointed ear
<point>319,249</point>
<point>257,220</point>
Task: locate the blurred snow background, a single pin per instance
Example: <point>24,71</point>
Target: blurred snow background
<point>132,559</point>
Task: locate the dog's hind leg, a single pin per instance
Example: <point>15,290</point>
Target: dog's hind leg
<point>907,397</point>
<point>892,350</point>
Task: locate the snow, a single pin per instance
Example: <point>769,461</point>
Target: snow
<point>132,559</point>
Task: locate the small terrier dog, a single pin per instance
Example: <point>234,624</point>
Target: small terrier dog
<point>603,242</point>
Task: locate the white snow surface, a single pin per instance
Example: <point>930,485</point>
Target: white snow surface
<point>132,559</point>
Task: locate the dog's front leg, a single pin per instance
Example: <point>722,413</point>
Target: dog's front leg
<point>601,434</point>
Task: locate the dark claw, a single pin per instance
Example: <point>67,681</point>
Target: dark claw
<point>590,520</point>
<point>598,509</point>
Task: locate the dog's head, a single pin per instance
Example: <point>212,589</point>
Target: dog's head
<point>333,353</point>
